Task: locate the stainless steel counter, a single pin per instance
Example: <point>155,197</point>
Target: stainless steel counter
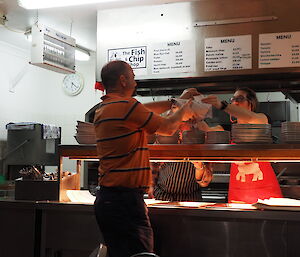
<point>64,229</point>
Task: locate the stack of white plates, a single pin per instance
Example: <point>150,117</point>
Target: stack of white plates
<point>217,137</point>
<point>290,132</point>
<point>251,133</point>
<point>85,133</point>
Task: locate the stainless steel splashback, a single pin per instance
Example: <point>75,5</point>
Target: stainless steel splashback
<point>194,21</point>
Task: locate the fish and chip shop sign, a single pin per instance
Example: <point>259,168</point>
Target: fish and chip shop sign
<point>135,56</point>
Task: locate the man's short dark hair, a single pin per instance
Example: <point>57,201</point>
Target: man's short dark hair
<point>111,72</point>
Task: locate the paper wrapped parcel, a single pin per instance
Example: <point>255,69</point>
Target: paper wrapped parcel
<point>201,110</point>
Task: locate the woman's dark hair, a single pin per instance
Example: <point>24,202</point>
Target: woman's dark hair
<point>251,97</point>
<point>111,72</point>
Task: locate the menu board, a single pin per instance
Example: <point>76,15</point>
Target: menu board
<point>173,57</point>
<point>279,50</point>
<point>228,53</point>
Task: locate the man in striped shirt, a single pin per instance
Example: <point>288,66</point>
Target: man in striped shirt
<point>121,124</point>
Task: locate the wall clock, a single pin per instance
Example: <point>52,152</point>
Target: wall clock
<point>73,84</point>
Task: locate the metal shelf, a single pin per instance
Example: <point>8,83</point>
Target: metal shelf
<point>207,152</point>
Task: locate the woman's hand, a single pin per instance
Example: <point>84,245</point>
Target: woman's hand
<point>213,100</point>
<point>150,192</point>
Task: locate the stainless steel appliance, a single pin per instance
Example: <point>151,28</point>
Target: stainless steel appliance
<point>32,144</point>
<point>143,35</point>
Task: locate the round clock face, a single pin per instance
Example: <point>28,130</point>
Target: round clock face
<point>73,84</point>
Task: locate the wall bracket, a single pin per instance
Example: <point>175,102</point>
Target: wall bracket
<point>234,21</point>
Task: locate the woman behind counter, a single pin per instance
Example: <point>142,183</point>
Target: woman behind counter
<point>242,107</point>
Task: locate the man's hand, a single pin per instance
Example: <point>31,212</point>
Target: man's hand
<point>188,112</point>
<point>213,100</point>
<point>189,93</point>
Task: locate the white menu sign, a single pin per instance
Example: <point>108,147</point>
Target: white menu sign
<point>228,53</point>
<point>173,57</point>
<point>279,50</point>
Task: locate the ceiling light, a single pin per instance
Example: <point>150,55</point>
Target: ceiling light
<point>40,4</point>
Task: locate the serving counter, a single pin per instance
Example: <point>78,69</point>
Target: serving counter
<point>41,229</point>
<point>69,229</point>
<point>204,152</point>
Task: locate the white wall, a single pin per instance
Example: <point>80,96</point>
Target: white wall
<point>37,95</point>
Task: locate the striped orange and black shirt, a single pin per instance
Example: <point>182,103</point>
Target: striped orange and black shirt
<point>121,125</point>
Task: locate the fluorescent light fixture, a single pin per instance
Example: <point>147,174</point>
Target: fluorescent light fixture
<point>81,54</point>
<point>40,4</point>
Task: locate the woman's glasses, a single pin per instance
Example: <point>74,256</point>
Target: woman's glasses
<point>238,99</point>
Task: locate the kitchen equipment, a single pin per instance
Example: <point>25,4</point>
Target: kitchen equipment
<point>30,143</point>
<point>36,190</point>
<point>52,50</point>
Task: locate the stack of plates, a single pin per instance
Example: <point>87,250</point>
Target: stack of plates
<point>194,136</point>
<point>217,137</point>
<point>168,139</point>
<point>251,133</point>
<point>85,133</point>
<point>290,132</point>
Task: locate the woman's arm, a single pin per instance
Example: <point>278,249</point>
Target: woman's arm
<point>244,115</point>
<point>155,166</point>
<point>202,125</point>
<point>203,173</point>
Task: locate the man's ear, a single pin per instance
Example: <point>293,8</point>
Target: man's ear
<point>251,106</point>
<point>122,80</point>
